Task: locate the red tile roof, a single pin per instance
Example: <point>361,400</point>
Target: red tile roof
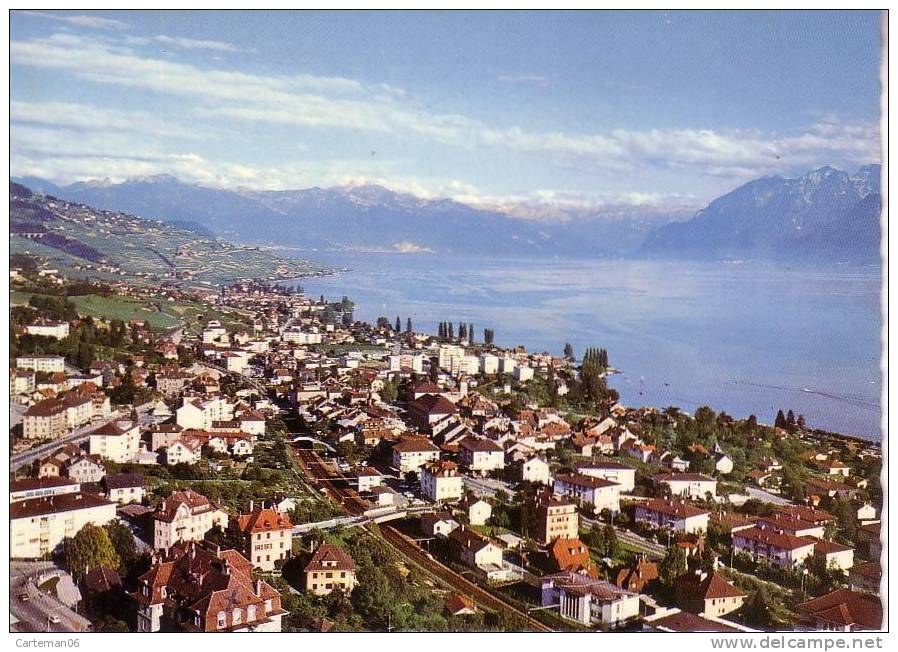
<point>263,520</point>
<point>573,555</point>
<point>675,508</point>
<point>775,539</point>
<point>844,607</point>
<point>330,557</point>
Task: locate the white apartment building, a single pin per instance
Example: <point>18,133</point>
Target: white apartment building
<point>673,515</point>
<point>184,451</point>
<point>622,474</point>
<point>185,516</point>
<point>600,494</point>
<point>117,441</point>
<point>38,525</point>
<point>441,481</point>
<point>481,455</point>
<point>489,364</point>
<point>412,454</point>
<point>198,414</point>
<point>58,330</point>
<point>688,485</point>
<point>47,363</point>
<point>536,469</point>
<point>523,373</point>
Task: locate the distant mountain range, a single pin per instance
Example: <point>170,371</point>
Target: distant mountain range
<point>824,216</point>
<point>367,218</point>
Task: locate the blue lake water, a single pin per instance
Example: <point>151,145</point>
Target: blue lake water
<point>745,338</point>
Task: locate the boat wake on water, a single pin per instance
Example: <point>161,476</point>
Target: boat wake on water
<point>854,400</point>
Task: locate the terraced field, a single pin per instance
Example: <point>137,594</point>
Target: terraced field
<point>87,242</point>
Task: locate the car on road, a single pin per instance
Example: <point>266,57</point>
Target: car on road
<point>54,619</point>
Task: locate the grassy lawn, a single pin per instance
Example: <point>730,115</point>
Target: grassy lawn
<point>124,308</point>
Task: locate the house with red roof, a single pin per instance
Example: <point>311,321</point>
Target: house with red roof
<point>842,610</point>
<point>198,587</point>
<point>330,569</point>
<point>267,536</point>
<point>708,594</point>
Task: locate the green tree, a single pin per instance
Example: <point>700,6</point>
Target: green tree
<point>672,566</point>
<point>568,351</point>
<point>89,548</point>
<point>612,545</point>
<point>122,540</point>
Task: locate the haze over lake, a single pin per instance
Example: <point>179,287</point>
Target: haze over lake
<point>745,338</point>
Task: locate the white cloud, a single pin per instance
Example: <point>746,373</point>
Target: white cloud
<point>200,44</point>
<point>94,22</point>
<point>322,102</point>
<point>83,117</point>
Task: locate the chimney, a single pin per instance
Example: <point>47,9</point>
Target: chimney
<point>258,588</point>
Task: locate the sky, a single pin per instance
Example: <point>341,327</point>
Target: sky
<point>535,113</point>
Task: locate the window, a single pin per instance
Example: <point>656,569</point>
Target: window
<point>250,613</point>
<point>236,616</point>
<point>222,619</point>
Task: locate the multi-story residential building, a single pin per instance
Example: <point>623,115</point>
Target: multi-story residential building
<point>200,588</point>
<point>21,381</point>
<point>429,409</point>
<point>38,525</point>
<point>85,468</point>
<point>38,362</point>
<point>834,555</point>
<point>45,420</point>
<point>480,455</point>
<point>367,478</point>
<point>441,481</point>
<point>170,383</point>
<point>124,488</point>
<point>587,490</point>
<point>535,469</point>
<point>476,509</point>
<point>792,524</point>
<point>672,515</point>
<point>331,568</point>
<point>687,485</point>
<point>489,364</point>
<point>623,475</point>
<point>198,414</point>
<point>58,330</point>
<point>778,549</point>
<point>588,600</point>
<point>184,450</point>
<point>555,517</point>
<point>185,516</point>
<point>267,535</point>
<point>117,441</point>
<point>26,488</point>
<point>522,373</point>
<point>410,454</point>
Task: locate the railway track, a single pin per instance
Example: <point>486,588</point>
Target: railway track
<point>483,597</point>
<point>351,502</point>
